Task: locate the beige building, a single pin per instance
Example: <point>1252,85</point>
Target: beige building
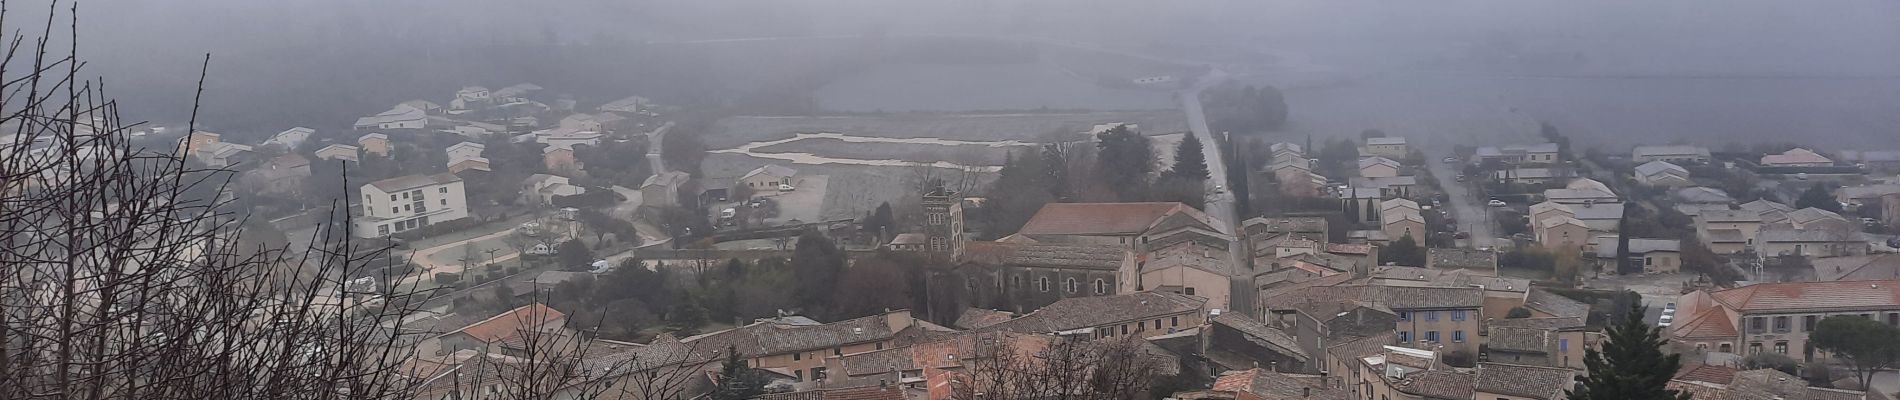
<point>1400,218</point>
<point>1657,256</point>
<point>374,143</point>
<point>560,160</point>
<point>1546,341</point>
<point>1778,317</point>
<point>1378,167</point>
<point>768,178</point>
<point>409,202</point>
<point>1562,232</point>
<point>338,152</point>
<point>1190,268</point>
<point>1796,157</point>
<point>1389,147</point>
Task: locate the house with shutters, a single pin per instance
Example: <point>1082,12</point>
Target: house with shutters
<point>1778,317</point>
<point>409,202</point>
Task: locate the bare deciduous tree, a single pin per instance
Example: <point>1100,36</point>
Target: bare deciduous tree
<point>1112,369</point>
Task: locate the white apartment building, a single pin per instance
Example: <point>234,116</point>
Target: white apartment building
<point>408,202</point>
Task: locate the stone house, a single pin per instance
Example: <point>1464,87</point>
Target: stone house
<point>1778,317</point>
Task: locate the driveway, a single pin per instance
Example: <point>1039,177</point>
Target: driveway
<point>1467,203</point>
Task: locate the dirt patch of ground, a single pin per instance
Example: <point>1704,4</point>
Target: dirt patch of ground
<point>837,148</point>
<point>735,131</point>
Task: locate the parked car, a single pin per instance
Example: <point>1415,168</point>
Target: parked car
<point>1451,160</point>
<point>1666,320</point>
<point>1496,203</point>
<point>786,188</point>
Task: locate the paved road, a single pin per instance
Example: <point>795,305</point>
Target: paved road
<point>1466,203</point>
<point>1220,203</point>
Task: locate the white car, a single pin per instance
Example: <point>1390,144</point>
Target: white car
<point>786,188</point>
<point>1496,203</point>
<point>1451,160</point>
<point>1666,320</point>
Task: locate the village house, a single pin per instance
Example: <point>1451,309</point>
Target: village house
<point>401,116</point>
<point>469,164</point>
<point>1562,233</point>
<point>768,178</point>
<point>1810,232</point>
<point>1542,341</point>
<point>1500,293</point>
<point>1672,154</point>
<point>1735,231</point>
<point>281,176</point>
<point>662,189</point>
<point>338,152</point>
<point>1444,318</point>
<point>1402,222</point>
<point>1501,381</point>
<point>515,93</point>
<point>1581,191</point>
<point>1797,157</point>
<point>1399,373</point>
<point>291,138</point>
<point>540,189</point>
<point>1389,147</point>
<point>1378,167</point>
<point>1310,228</point>
<point>1703,381</point>
<point>1541,153</point>
<point>907,242</point>
<point>1778,317</point>
<point>1855,197</point>
<point>1130,225</point>
<point>498,334</point>
<point>592,122</point>
<point>561,160</point>
<point>470,98</point>
<point>1234,342</point>
<point>464,150</point>
<point>1189,267</point>
<point>805,349</point>
<point>1662,173</point>
<point>374,143</point>
<point>414,201</point>
<point>212,150</point>
<point>1657,256</point>
<point>1295,177</point>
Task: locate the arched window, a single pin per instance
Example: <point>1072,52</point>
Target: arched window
<point>1016,281</point>
<point>1071,286</point>
<point>1042,284</point>
<point>1101,286</point>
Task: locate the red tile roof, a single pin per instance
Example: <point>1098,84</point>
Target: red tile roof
<point>1711,323</point>
<point>511,323</point>
<point>1791,296</point>
<point>1097,218</point>
<point>1706,373</point>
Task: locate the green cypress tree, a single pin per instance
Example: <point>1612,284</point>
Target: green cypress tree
<point>1189,163</point>
<point>1630,365</point>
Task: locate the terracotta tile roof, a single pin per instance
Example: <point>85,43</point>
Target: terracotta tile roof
<point>1554,323</point>
<point>1438,384</point>
<point>1710,323</point>
<point>1268,337</point>
<point>1520,340</point>
<point>1392,297</point>
<point>511,323</point>
<point>1097,218</point>
<point>1706,373</point>
<point>1793,296</point>
<point>1554,304</point>
<point>1086,312</point>
<point>1343,248</point>
<point>973,318</point>
<point>1258,225</point>
<point>1354,348</point>
<point>1543,383</point>
<point>1271,385</point>
<point>765,338</point>
<point>1046,255</point>
<point>1461,258</point>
